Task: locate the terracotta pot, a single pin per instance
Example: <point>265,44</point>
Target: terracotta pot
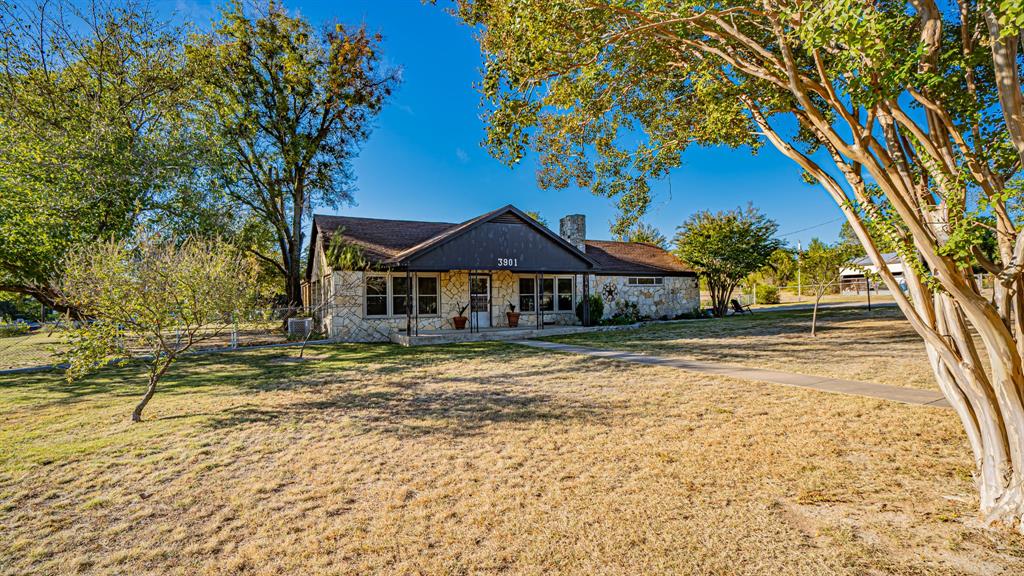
<point>513,319</point>
<point>460,322</point>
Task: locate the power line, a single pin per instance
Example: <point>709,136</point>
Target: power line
<point>813,227</point>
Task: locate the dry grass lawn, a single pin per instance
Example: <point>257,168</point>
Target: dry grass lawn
<point>36,349</point>
<point>478,459</point>
<point>852,344</point>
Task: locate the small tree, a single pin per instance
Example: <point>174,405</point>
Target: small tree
<point>151,302</point>
<point>646,233</point>
<point>725,247</point>
<point>821,265</point>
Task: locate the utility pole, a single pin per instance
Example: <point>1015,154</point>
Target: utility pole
<point>799,264</point>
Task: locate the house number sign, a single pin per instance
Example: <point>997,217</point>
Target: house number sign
<point>508,262</point>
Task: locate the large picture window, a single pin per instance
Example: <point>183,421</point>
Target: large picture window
<point>555,295</point>
<point>376,296</point>
<point>387,295</point>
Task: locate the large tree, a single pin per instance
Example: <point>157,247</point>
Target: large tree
<point>909,115</point>
<point>726,247</point>
<point>646,233</point>
<point>92,139</point>
<point>288,106</point>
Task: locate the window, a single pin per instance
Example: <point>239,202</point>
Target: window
<point>645,281</point>
<point>399,293</point>
<point>376,296</point>
<point>550,300</point>
<point>527,299</point>
<point>565,294</point>
<point>426,290</point>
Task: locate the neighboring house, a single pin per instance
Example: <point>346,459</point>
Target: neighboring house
<point>852,279</point>
<point>485,263</point>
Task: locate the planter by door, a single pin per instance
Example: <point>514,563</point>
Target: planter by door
<point>480,300</point>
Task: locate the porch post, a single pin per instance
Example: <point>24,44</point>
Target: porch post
<point>536,300</point>
<point>408,302</point>
<point>540,308</point>
<point>586,299</point>
<point>470,286</point>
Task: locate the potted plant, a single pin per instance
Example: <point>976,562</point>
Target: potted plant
<point>512,315</point>
<point>460,321</point>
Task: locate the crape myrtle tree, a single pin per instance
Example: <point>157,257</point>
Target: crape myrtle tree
<point>92,138</point>
<point>909,115</point>
<point>646,233</point>
<point>821,264</point>
<point>151,300</point>
<point>288,105</point>
<point>726,247</point>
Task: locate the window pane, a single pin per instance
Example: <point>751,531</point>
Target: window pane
<point>565,294</point>
<point>526,296</point>
<point>427,285</point>
<point>399,285</point>
<point>376,286</point>
<point>428,305</point>
<point>547,299</point>
<point>376,306</point>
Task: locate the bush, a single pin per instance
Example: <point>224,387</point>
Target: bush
<point>596,309</point>
<point>767,294</point>
<point>16,329</point>
<point>628,313</point>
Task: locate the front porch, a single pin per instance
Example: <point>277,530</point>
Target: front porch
<point>498,333</point>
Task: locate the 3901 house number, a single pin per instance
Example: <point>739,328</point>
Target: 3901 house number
<point>508,262</point>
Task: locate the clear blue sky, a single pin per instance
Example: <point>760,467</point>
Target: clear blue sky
<point>424,160</point>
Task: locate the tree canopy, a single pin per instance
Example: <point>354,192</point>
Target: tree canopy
<point>725,247</point>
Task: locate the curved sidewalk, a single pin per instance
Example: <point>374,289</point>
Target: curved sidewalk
<point>867,389</point>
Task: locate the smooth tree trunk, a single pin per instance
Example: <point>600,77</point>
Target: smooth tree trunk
<point>150,390</point>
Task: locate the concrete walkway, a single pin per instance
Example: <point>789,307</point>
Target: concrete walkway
<point>852,387</point>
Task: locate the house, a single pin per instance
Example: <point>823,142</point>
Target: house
<point>414,275</point>
<point>852,279</point>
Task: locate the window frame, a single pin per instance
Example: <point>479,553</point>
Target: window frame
<point>389,295</point>
<point>538,295</point>
<point>636,281</point>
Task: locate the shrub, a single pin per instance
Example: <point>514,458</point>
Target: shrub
<point>16,329</point>
<point>596,308</point>
<point>628,313</point>
<point>767,294</point>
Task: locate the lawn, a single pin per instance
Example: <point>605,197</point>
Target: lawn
<point>478,459</point>
<point>852,344</point>
<point>39,348</point>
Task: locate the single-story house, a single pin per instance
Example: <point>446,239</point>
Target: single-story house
<point>852,279</point>
<point>415,275</point>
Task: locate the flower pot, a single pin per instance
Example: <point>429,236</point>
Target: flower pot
<point>460,322</point>
<point>513,319</point>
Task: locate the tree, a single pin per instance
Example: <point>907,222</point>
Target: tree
<point>151,302</point>
<point>780,268</point>
<point>848,237</point>
<point>909,116</point>
<point>646,233</point>
<point>288,107</point>
<point>92,138</point>
<point>536,216</point>
<point>821,265</point>
<point>725,247</point>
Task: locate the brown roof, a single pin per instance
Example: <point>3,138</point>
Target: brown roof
<point>382,240</point>
<point>634,258</point>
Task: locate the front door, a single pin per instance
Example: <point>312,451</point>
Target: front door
<point>480,298</point>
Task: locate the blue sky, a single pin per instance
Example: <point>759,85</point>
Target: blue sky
<point>424,160</point>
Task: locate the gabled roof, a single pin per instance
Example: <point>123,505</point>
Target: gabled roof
<point>393,243</point>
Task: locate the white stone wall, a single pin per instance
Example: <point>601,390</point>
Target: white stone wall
<point>344,317</point>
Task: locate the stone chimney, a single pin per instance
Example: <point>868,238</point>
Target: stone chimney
<point>574,229</point>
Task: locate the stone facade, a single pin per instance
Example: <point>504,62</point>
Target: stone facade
<point>341,297</point>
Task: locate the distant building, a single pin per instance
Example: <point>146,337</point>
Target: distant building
<point>852,279</point>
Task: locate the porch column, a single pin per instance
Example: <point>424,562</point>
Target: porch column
<point>586,299</point>
<point>536,300</point>
<point>540,308</point>
<point>408,303</point>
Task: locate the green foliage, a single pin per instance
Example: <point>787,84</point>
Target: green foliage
<point>766,294</point>
<point>13,329</point>
<point>287,107</point>
<point>92,132</point>
<point>780,269</point>
<point>627,312</point>
<point>725,247</point>
<point>151,300</point>
<point>344,255</point>
<point>536,216</point>
<point>646,233</point>
<point>821,263</point>
<point>847,237</point>
<point>596,308</point>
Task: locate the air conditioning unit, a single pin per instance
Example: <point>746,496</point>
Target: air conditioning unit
<point>299,327</point>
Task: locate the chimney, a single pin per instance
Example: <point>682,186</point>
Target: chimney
<point>574,229</point>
